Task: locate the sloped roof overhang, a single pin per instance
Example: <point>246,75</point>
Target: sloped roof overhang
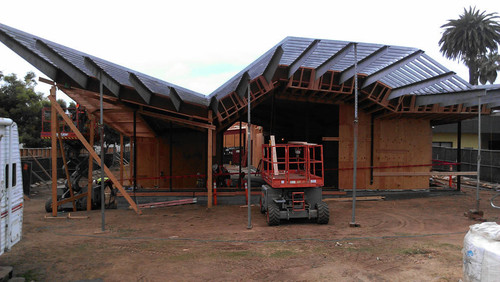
<point>394,80</point>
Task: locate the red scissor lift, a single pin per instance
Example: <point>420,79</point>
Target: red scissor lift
<point>80,120</point>
<point>294,175</point>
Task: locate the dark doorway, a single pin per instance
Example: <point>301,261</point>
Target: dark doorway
<point>304,121</point>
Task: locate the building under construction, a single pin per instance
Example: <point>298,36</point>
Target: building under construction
<point>302,89</point>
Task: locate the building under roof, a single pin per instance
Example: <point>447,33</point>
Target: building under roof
<point>301,89</point>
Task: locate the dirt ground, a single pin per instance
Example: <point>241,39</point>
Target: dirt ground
<point>401,240</point>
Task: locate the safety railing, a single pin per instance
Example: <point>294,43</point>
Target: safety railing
<point>293,165</point>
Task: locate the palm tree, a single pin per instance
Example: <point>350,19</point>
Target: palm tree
<point>469,38</point>
<point>489,65</point>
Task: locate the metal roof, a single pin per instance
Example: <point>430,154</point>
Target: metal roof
<point>33,48</point>
<point>407,71</point>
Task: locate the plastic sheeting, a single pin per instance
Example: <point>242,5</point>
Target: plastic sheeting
<point>481,252</point>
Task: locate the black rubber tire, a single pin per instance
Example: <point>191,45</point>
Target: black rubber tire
<point>262,209</point>
<point>48,205</point>
<point>273,214</point>
<point>323,213</point>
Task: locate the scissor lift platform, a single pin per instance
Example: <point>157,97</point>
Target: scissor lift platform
<point>294,175</point>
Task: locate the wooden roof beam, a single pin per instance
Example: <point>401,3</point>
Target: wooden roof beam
<point>111,84</point>
<point>177,120</point>
<point>391,68</point>
<point>302,58</point>
<point>407,89</point>
<point>368,60</point>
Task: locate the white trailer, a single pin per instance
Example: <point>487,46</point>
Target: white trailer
<point>11,186</point>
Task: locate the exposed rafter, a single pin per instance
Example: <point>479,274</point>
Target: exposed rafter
<point>330,63</point>
<point>349,72</point>
<point>142,89</point>
<point>109,82</point>
<point>76,74</point>
<point>407,89</point>
<point>177,120</point>
<point>40,63</point>
<point>273,64</point>
<point>302,58</point>
<point>391,68</point>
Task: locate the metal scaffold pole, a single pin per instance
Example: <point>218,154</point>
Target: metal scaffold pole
<point>355,153</point>
<point>249,157</point>
<point>101,124</point>
<point>478,152</point>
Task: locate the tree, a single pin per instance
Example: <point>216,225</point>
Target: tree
<point>23,105</point>
<point>470,37</point>
<point>488,68</point>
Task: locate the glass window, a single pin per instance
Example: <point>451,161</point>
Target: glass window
<point>14,178</point>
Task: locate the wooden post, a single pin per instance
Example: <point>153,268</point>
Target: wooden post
<point>110,175</point>
<point>157,180</point>
<point>91,163</point>
<point>63,155</point>
<point>121,159</point>
<point>53,129</point>
<point>274,157</point>
<point>209,163</point>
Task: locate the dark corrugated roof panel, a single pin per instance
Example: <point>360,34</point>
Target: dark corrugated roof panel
<point>416,71</point>
<point>117,72</point>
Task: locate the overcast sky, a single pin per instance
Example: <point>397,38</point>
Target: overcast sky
<point>201,44</point>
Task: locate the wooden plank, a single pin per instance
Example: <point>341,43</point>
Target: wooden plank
<point>53,129</point>
<point>121,158</point>
<point>349,199</point>
<point>178,120</point>
<point>169,203</point>
<point>274,157</point>
<point>423,173</point>
<point>66,171</point>
<point>110,175</point>
<point>72,199</point>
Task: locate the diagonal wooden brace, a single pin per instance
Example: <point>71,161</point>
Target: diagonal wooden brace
<point>94,154</point>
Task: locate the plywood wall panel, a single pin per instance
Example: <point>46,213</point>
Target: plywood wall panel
<point>188,158</point>
<point>397,142</point>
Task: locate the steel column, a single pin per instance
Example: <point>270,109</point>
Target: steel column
<point>355,153</point>
<point>249,157</point>
<point>101,125</point>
